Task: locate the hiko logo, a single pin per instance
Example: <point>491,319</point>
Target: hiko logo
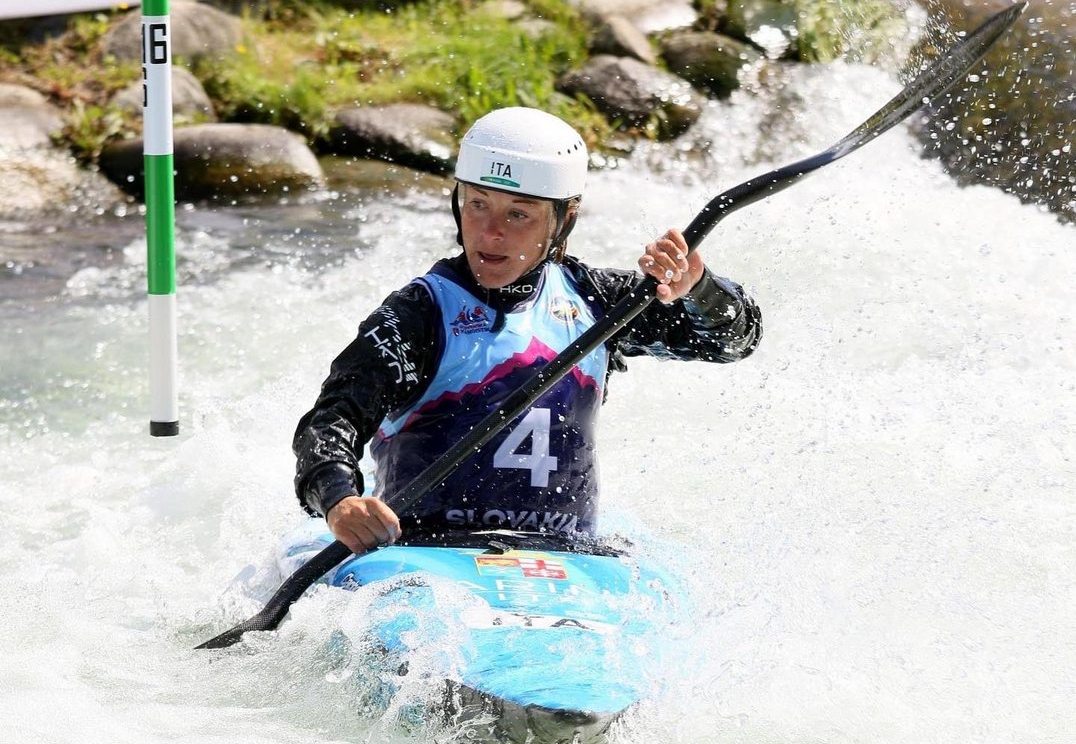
<point>500,174</point>
<point>471,321</point>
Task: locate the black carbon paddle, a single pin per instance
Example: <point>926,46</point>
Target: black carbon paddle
<point>930,83</point>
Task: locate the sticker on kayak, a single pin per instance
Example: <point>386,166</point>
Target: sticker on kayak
<point>487,617</point>
<point>530,567</point>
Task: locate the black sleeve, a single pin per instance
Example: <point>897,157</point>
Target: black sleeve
<point>715,322</point>
<point>390,362</point>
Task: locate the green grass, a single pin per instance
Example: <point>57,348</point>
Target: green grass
<point>69,67</point>
<point>302,66</point>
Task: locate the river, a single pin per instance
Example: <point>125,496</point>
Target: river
<point>874,513</point>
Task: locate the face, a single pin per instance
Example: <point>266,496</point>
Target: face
<point>504,235</point>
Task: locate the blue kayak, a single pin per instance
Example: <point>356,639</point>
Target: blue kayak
<point>553,639</point>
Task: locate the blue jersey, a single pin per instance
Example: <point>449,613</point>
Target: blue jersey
<point>539,473</point>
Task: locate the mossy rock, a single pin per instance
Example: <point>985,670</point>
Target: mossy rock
<point>198,30</point>
<point>220,162</point>
<point>709,61</point>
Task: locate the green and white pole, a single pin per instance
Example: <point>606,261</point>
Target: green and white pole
<point>160,216</point>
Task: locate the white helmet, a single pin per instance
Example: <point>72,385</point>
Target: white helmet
<point>525,151</point>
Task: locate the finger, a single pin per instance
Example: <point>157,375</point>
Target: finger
<point>667,266</point>
<point>353,542</point>
<point>366,536</point>
<point>651,267</point>
<point>387,520</point>
<point>664,253</point>
<point>678,249</point>
<point>664,294</point>
<point>678,240</point>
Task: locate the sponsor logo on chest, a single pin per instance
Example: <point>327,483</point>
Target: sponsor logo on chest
<point>563,309</point>
<point>471,320</point>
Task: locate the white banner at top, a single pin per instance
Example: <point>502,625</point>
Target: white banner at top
<point>32,8</point>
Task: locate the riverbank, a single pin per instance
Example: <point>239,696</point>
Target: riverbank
<point>400,81</point>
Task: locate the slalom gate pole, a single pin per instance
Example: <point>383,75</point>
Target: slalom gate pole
<point>160,216</point>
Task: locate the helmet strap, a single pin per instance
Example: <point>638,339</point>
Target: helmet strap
<point>456,213</point>
<point>565,222</point>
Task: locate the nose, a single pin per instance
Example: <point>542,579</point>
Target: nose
<point>492,228</point>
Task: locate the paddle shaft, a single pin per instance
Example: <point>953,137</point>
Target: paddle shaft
<point>933,81</point>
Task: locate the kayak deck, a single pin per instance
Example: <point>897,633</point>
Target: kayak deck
<point>552,644</point>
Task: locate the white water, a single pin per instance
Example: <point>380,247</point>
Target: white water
<point>876,511</point>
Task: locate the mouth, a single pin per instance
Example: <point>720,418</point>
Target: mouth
<point>491,258</point>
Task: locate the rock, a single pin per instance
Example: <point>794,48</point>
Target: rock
<point>189,100</point>
<point>409,134</point>
<point>708,60</point>
<point>27,119</point>
<point>224,161</point>
<point>671,14</point>
<point>362,176</point>
<point>711,14</point>
<point>626,89</point>
<point>30,189</point>
<point>597,9</point>
<point>510,10</point>
<point>770,24</point>
<point>649,16</point>
<point>197,30</point>
<point>618,36</point>
<point>36,176</point>
<point>536,27</point>
<point>1011,124</point>
<point>515,11</point>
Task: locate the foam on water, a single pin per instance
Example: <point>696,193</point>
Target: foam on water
<point>875,512</point>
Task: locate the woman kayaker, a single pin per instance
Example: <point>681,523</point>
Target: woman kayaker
<point>444,351</point>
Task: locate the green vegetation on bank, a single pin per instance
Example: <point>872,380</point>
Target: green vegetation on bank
<point>71,70</point>
<point>301,62</point>
<point>298,69</point>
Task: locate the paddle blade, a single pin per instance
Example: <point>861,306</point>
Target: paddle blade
<point>262,621</point>
<point>277,607</point>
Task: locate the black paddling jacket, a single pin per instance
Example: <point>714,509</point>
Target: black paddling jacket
<point>396,354</point>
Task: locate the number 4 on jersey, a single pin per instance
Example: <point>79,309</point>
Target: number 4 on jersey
<point>539,461</point>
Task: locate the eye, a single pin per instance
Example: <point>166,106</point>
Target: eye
<point>516,214</point>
